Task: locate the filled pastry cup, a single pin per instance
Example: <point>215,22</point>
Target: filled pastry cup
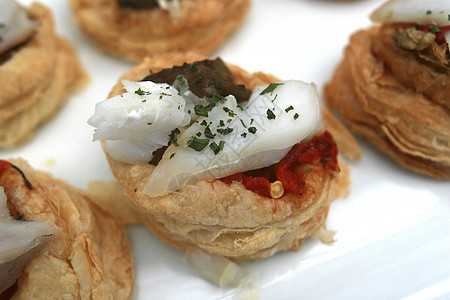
<point>36,78</point>
<point>223,216</point>
<point>86,253</point>
<point>135,32</point>
<point>398,98</point>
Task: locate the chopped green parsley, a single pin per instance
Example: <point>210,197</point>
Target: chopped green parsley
<point>197,144</point>
<point>217,148</point>
<point>434,29</point>
<point>252,130</point>
<point>172,155</point>
<point>270,88</point>
<point>201,110</point>
<point>270,115</point>
<point>289,108</point>
<point>244,134</point>
<point>307,171</point>
<point>429,12</point>
<point>141,92</point>
<point>296,116</point>
<point>20,217</point>
<point>175,139</point>
<point>225,131</point>
<point>208,133</point>
<point>193,66</point>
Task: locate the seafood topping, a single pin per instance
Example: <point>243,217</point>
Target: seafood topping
<point>207,137</point>
<point>140,121</point>
<point>15,26</point>
<point>432,19</point>
<point>233,139</point>
<point>205,78</point>
<point>20,241</point>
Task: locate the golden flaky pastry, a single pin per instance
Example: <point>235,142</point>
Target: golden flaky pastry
<point>35,80</point>
<point>198,25</point>
<point>228,219</point>
<point>398,99</point>
<point>89,255</point>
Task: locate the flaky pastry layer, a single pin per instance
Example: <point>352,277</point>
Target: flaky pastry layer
<point>200,26</point>
<point>88,257</point>
<point>36,81</point>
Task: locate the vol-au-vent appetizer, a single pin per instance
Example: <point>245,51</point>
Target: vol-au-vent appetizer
<point>38,70</point>
<point>393,84</point>
<point>133,29</point>
<point>238,164</point>
<point>55,242</point>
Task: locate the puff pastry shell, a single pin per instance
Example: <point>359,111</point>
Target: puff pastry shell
<point>396,99</point>
<point>227,220</point>
<point>36,80</point>
<point>200,26</point>
<point>88,257</point>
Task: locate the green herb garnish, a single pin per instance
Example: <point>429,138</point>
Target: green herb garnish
<point>307,171</point>
<point>429,12</point>
<point>252,130</point>
<point>197,144</point>
<point>197,80</point>
<point>242,122</point>
<point>216,148</point>
<point>270,88</point>
<point>208,133</point>
<point>296,116</point>
<point>141,92</point>
<point>201,110</point>
<point>270,115</point>
<point>289,108</point>
<point>434,29</point>
<point>221,123</point>
<point>20,217</point>
<point>175,139</point>
<point>244,135</point>
<point>193,66</point>
<point>172,155</point>
<point>225,131</point>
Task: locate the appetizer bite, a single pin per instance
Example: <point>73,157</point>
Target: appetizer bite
<point>133,29</point>
<point>38,70</point>
<point>393,84</point>
<point>236,163</point>
<point>54,242</point>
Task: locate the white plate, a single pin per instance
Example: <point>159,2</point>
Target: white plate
<point>393,231</point>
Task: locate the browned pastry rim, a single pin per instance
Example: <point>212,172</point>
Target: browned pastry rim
<point>36,80</point>
<point>228,220</point>
<point>201,26</point>
<point>89,256</point>
<point>406,122</point>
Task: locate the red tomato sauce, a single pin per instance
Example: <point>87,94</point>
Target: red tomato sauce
<point>321,148</point>
<point>440,36</point>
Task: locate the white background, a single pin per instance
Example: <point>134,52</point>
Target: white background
<point>393,231</point>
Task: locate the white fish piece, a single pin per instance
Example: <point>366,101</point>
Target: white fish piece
<point>283,117</point>
<point>20,241</point>
<point>15,25</point>
<point>413,11</point>
<point>140,121</point>
<point>17,237</point>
